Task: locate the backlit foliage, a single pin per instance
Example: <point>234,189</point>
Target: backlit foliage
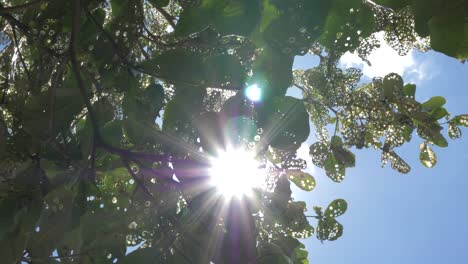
<point>109,111</point>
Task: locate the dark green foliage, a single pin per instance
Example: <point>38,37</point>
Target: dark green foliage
<point>102,103</point>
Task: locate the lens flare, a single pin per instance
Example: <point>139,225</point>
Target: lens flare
<point>235,173</point>
<point>254,93</point>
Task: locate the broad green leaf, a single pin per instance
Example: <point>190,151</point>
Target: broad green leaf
<point>104,111</point>
<point>240,129</point>
<point>334,169</point>
<point>392,85</point>
<point>319,153</point>
<point>112,133</point>
<point>449,34</point>
<point>336,142</point>
<point>36,113</point>
<point>193,68</point>
<point>302,180</point>
<point>118,7</point>
<point>427,156</point>
<point>409,90</point>
<point>336,208</point>
<point>272,253</point>
<point>345,157</point>
<point>224,69</point>
<point>431,132</point>
<point>272,71</point>
<point>288,244</point>
<point>434,102</point>
<point>329,229</point>
<point>227,17</point>
<point>438,113</point>
<point>238,17</point>
<point>288,123</point>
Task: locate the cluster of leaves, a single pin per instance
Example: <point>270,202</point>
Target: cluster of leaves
<point>86,171</point>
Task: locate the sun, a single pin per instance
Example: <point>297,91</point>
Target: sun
<point>235,173</point>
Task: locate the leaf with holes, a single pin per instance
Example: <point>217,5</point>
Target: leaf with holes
<point>302,180</point>
<point>319,153</point>
<point>427,156</point>
<point>334,169</point>
<point>336,208</point>
<point>454,131</point>
<point>329,229</point>
<point>461,120</point>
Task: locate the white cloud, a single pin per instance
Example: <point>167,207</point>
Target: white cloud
<point>385,60</point>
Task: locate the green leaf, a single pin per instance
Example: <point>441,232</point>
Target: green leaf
<point>427,156</point>
<point>449,33</point>
<point>392,85</point>
<point>272,71</point>
<point>272,254</point>
<point>336,208</point>
<point>227,17</point>
<point>336,142</point>
<point>118,7</point>
<point>289,123</point>
<point>434,102</point>
<point>223,69</point>
<point>345,157</point>
<point>454,131</point>
<point>334,169</point>
<point>193,68</point>
<point>159,3</point>
<point>36,113</point>
<point>329,229</point>
<point>240,129</point>
<point>112,133</point>
<point>431,132</point>
<point>319,153</point>
<point>104,111</point>
<point>396,162</point>
<point>302,180</point>
<point>407,132</point>
<point>438,113</point>
<point>409,90</point>
<point>461,120</point>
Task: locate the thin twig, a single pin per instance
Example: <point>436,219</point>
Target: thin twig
<point>20,56</point>
<point>140,183</point>
<point>75,66</point>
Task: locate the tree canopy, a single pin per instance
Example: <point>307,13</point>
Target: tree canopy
<point>110,112</point>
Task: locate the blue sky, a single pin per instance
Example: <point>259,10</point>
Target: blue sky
<point>394,218</point>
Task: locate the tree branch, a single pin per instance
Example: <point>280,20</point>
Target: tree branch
<point>75,66</point>
<point>20,56</point>
<point>167,16</point>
